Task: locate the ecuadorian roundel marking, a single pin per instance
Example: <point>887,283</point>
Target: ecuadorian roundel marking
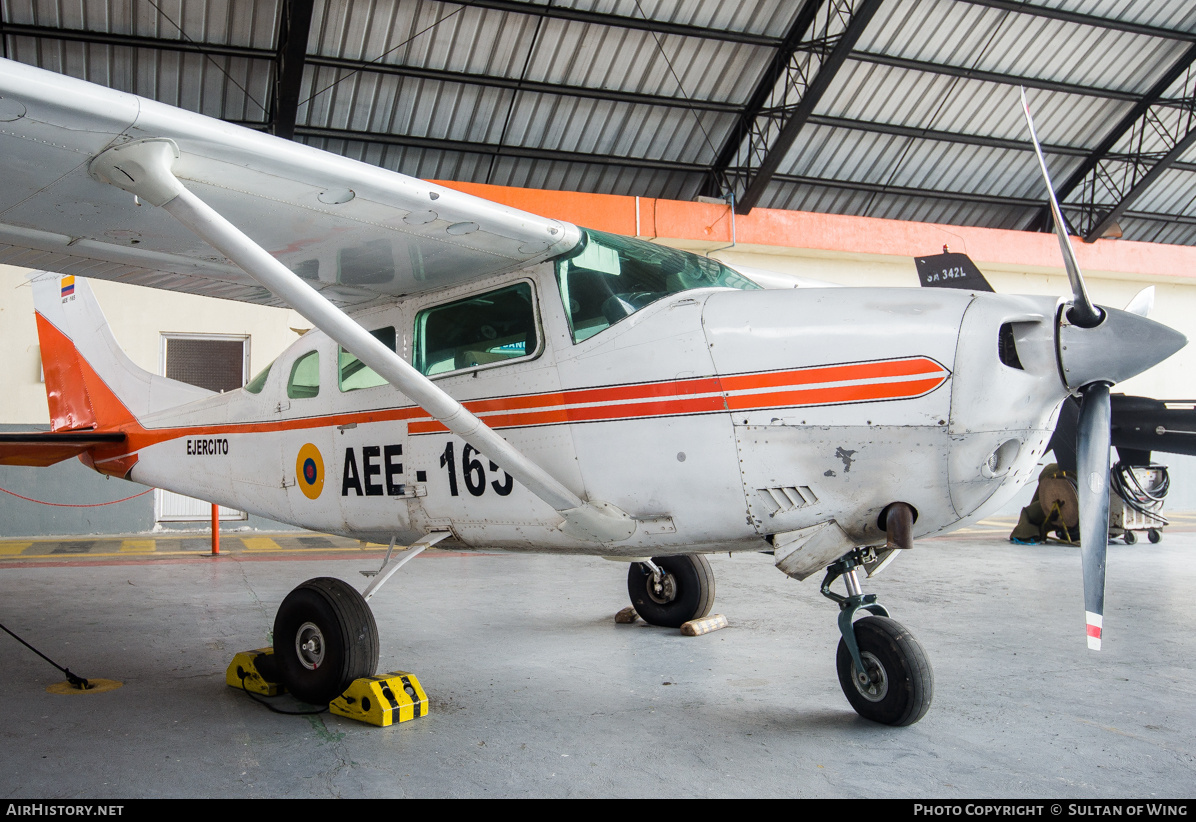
<point>309,471</point>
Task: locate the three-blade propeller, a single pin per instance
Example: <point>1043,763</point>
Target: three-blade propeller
<point>1097,347</point>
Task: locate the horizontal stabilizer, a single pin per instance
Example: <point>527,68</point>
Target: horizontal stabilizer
<point>41,449</point>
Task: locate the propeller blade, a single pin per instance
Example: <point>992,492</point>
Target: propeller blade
<point>1142,303</point>
<point>1092,463</point>
<point>1083,313</point>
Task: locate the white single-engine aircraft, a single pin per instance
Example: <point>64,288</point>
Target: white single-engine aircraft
<point>519,383</point>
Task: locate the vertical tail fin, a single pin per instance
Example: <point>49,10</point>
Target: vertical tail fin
<point>91,384</point>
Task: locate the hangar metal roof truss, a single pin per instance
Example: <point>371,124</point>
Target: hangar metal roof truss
<point>902,109</point>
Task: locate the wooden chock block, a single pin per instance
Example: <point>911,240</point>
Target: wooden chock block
<point>697,627</point>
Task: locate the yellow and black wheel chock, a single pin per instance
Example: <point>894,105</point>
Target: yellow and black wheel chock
<point>254,671</point>
<point>382,700</point>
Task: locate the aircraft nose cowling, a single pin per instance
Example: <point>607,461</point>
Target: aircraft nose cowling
<point>1122,345</point>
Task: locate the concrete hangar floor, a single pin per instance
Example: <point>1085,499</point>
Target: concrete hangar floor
<point>535,691</point>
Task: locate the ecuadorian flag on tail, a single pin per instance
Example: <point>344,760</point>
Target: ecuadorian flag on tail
<point>68,285</point>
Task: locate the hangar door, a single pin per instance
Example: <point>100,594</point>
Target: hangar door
<point>217,363</point>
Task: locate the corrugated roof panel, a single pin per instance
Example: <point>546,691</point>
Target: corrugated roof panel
<point>455,111</point>
<point>1158,231</point>
<point>1009,42</point>
<point>771,17</point>
<point>886,94</point>
<point>617,129</point>
<point>1174,192</point>
<point>423,33</point>
<point>888,160</point>
<point>1157,133</point>
<point>357,101</point>
<point>592,56</point>
<point>1171,14</point>
<point>803,197</point>
<point>249,23</point>
<point>520,46</point>
<point>876,172</point>
<point>231,88</point>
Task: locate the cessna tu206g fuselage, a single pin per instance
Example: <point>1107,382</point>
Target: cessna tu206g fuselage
<point>715,416</point>
<point>516,382</point>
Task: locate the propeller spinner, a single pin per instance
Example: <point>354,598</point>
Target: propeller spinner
<point>1097,347</point>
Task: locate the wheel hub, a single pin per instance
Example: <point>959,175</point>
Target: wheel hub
<point>662,591</point>
<point>874,684</point>
<point>309,646</point>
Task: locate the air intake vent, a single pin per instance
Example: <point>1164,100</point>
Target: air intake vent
<point>789,498</point>
<point>1007,349</point>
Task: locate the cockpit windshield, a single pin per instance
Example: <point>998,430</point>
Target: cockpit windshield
<point>606,278</point>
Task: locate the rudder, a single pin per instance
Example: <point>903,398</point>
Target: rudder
<point>91,384</point>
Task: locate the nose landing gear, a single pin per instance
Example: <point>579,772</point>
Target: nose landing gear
<point>883,670</point>
<point>670,591</point>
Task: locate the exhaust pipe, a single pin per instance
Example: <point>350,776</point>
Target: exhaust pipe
<point>897,521</point>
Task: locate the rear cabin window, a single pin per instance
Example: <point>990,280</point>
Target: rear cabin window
<point>256,385</point>
<point>486,329</point>
<point>606,278</point>
<point>352,373</point>
<point>305,377</point>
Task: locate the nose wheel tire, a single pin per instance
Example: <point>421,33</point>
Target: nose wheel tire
<point>899,683</point>
<point>325,637</point>
<point>684,592</point>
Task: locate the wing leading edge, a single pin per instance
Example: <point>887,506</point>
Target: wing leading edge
<point>358,233</point>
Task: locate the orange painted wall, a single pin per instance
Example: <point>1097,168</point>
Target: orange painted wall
<point>705,223</point>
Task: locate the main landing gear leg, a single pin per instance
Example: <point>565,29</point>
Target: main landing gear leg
<point>325,636</point>
<point>883,671</point>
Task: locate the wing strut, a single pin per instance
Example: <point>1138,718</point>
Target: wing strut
<point>144,168</point>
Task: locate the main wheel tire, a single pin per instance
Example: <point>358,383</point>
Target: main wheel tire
<point>687,590</point>
<point>902,694</point>
<point>325,637</point>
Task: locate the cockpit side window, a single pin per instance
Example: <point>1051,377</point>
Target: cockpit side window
<point>305,377</point>
<point>606,278</point>
<point>479,331</point>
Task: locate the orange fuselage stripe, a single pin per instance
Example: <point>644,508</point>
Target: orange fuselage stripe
<point>627,402</point>
<point>818,385</point>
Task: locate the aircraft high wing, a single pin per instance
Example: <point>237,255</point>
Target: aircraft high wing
<point>507,381</point>
<point>358,234</point>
